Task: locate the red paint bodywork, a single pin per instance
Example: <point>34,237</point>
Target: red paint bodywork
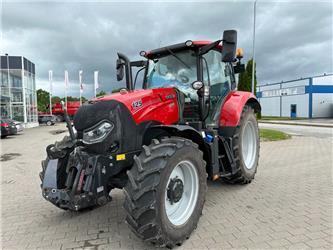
<point>198,43</point>
<point>233,107</point>
<point>158,105</point>
<point>72,107</point>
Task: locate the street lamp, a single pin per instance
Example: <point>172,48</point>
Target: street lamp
<point>253,45</point>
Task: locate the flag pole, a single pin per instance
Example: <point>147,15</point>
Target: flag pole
<point>66,85</point>
<point>80,81</point>
<point>253,45</point>
<point>95,81</point>
<point>50,94</point>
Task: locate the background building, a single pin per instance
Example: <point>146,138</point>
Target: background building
<point>18,90</point>
<point>307,97</point>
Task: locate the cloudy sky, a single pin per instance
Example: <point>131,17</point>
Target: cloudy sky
<point>293,38</point>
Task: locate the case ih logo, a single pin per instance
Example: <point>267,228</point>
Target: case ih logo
<point>137,104</point>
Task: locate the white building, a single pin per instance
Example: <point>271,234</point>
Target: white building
<point>310,97</point>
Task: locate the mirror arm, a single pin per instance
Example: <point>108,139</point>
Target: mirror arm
<point>140,63</point>
<point>203,50</point>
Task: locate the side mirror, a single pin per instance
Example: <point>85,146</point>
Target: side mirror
<point>120,70</point>
<point>229,45</point>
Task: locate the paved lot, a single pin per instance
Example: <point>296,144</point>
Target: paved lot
<point>289,205</point>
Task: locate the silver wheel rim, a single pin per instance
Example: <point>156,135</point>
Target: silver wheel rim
<point>249,145</point>
<point>179,212</point>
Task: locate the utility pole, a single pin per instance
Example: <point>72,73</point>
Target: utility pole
<point>253,45</point>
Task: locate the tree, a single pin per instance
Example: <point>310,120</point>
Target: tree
<point>245,78</point>
<point>101,93</point>
<point>56,99</point>
<point>43,100</point>
<point>116,90</point>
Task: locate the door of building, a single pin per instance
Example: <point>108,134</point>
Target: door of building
<point>293,110</point>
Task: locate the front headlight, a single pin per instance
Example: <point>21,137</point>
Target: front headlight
<point>98,133</point>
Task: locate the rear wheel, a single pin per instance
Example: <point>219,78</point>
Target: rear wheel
<point>166,191</point>
<point>246,146</point>
<point>48,123</point>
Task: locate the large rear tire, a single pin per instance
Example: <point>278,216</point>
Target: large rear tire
<point>246,147</point>
<point>166,191</point>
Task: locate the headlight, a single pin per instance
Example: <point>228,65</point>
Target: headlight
<point>98,133</point>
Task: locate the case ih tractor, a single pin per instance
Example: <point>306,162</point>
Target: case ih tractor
<point>160,143</point>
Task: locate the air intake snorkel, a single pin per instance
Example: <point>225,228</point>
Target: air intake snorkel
<point>68,122</point>
<point>122,62</point>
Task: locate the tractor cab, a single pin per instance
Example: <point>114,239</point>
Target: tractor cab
<point>202,72</point>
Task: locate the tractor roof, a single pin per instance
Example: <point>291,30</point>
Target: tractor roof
<point>176,47</point>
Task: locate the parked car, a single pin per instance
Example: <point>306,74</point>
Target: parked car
<point>19,126</point>
<point>8,127</point>
<point>46,119</point>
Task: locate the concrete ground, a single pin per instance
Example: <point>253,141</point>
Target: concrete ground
<point>288,205</point>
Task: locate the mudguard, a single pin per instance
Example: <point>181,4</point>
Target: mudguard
<point>233,106</point>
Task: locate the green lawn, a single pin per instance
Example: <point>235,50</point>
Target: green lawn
<point>272,135</point>
<point>280,118</point>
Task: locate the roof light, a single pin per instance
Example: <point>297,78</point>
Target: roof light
<point>143,53</point>
<point>239,53</point>
<point>189,43</point>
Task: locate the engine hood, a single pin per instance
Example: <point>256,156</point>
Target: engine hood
<point>131,113</point>
<point>158,105</point>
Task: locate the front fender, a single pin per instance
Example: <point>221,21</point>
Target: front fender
<point>233,106</point>
<point>184,131</point>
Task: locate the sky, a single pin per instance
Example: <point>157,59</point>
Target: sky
<point>293,38</point>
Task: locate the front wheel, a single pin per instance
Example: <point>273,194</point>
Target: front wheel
<point>245,145</point>
<point>166,191</point>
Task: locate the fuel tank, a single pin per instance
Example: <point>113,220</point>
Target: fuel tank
<point>158,104</point>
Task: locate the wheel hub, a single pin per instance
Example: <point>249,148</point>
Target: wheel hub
<point>175,190</point>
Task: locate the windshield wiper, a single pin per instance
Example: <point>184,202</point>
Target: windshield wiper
<point>177,57</point>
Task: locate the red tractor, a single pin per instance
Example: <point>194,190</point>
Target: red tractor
<point>58,111</point>
<point>161,143</point>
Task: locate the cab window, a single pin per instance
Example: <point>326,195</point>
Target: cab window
<point>219,74</point>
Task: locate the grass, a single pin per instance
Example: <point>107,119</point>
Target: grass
<point>272,135</point>
<point>280,118</point>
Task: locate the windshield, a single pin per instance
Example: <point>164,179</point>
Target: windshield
<point>178,70</point>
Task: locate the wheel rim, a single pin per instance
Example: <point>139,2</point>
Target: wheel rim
<point>180,211</point>
<point>249,145</point>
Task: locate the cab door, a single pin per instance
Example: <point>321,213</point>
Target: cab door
<point>219,76</point>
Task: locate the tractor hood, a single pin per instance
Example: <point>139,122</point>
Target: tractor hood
<point>130,114</point>
<point>158,105</point>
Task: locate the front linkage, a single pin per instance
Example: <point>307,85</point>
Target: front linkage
<point>75,179</point>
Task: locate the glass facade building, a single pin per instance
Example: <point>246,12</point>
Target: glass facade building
<point>18,90</point>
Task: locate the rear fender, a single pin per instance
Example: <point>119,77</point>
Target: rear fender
<point>233,106</point>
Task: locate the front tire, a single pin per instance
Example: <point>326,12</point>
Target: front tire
<point>246,145</point>
<point>166,191</point>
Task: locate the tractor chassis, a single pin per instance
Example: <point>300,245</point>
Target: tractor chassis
<point>65,173</point>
